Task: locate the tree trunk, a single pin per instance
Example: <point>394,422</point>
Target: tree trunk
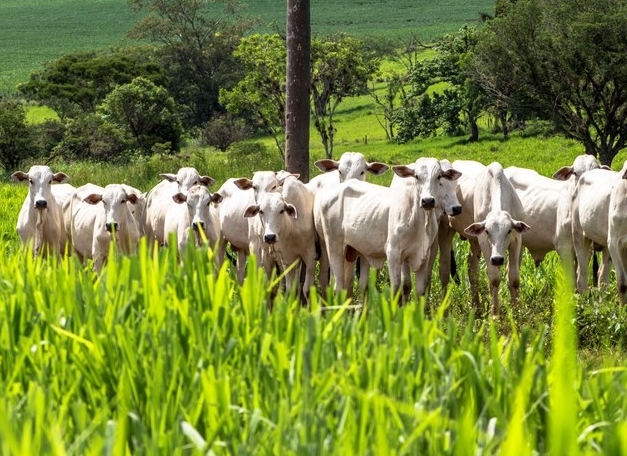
<point>298,77</point>
<point>474,131</point>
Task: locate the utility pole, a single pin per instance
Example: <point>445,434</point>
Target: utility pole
<point>298,77</point>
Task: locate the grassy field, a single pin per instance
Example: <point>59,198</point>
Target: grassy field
<point>165,355</point>
<point>37,31</point>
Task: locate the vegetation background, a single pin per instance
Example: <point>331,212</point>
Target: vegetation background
<point>157,358</point>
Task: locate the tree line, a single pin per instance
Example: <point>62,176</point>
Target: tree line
<point>200,75</point>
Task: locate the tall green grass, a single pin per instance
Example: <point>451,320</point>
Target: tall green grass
<point>154,356</point>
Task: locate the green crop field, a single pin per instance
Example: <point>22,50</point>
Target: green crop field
<point>165,354</point>
<point>37,31</point>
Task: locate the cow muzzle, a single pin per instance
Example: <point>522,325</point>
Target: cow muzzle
<point>497,261</point>
<point>456,210</point>
<point>41,204</point>
<point>270,238</point>
<point>199,225</point>
<point>111,226</point>
<point>427,203</point>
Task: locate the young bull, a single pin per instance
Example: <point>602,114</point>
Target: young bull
<point>98,216</point>
<point>159,198</point>
<point>40,220</point>
<point>194,214</point>
<point>498,213</point>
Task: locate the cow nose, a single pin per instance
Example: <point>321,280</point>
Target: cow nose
<point>427,203</point>
<point>457,210</point>
<point>41,204</point>
<point>270,238</point>
<point>497,260</point>
<point>111,226</point>
<point>200,225</point>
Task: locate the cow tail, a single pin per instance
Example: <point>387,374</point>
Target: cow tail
<point>595,268</point>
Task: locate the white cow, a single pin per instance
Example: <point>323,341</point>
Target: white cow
<point>617,231</point>
<point>351,165</point>
<point>288,230</point>
<point>100,215</point>
<point>413,221</point>
<point>160,197</point>
<point>498,225</point>
<point>233,225</point>
<point>465,191</point>
<point>40,220</point>
<point>195,214</point>
<point>548,205</point>
<point>360,218</point>
<point>590,223</point>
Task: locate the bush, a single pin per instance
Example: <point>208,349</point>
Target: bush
<point>224,130</point>
<point>16,137</point>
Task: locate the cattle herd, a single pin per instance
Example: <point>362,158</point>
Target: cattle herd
<point>338,217</point>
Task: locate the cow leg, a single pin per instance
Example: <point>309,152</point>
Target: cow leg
<point>364,275</point>
<point>604,269</point>
<point>474,254</point>
<point>583,248</point>
<point>423,276</point>
<point>617,252</point>
<point>324,274</point>
<point>513,269</point>
<point>394,269</point>
<point>445,245</point>
<point>406,281</point>
<point>241,265</point>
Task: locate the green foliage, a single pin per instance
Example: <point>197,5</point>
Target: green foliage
<point>224,130</point>
<point>16,140</point>
<point>77,82</point>
<point>567,60</point>
<point>196,41</point>
<point>146,113</point>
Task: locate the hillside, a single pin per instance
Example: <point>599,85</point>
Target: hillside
<point>35,32</point>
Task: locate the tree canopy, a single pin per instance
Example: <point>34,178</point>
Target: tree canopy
<point>566,61</point>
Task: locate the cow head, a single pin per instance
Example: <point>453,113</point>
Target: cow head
<point>275,214</point>
<point>39,178</point>
<point>352,165</point>
<point>115,201</point>
<point>198,201</point>
<point>498,227</point>
<point>186,177</point>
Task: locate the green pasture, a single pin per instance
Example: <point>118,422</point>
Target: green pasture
<point>37,31</point>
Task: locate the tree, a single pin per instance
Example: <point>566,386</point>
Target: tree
<point>15,136</point>
<point>459,103</point>
<point>146,112</point>
<point>297,88</point>
<point>196,39</point>
<point>565,60</point>
<point>224,130</point>
<point>341,67</point>
<point>261,91</point>
<point>76,83</point>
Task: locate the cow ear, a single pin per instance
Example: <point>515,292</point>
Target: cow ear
<point>168,176</point>
<point>19,176</point>
<point>403,171</point>
<point>132,197</point>
<point>291,210</point>
<point>564,173</point>
<point>60,178</point>
<point>327,165</point>
<point>521,227</point>
<point>207,181</point>
<point>94,198</point>
<point>451,174</point>
<point>251,211</point>
<point>243,183</point>
<point>216,198</point>
<point>475,229</point>
<point>377,168</point>
<point>179,198</point>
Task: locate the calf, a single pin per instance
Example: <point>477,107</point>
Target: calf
<point>498,226</point>
<point>159,198</point>
<point>194,214</point>
<point>40,220</point>
<point>98,217</point>
<point>286,233</point>
<point>590,221</point>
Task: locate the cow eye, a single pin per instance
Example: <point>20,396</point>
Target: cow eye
<point>123,202</point>
<point>282,210</point>
<point>362,173</point>
<point>509,231</point>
